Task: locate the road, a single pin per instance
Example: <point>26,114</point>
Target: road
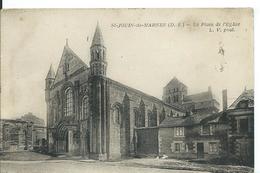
<point>69,166</point>
<point>31,162</point>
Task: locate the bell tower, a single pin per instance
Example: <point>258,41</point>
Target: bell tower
<point>49,80</point>
<point>98,64</point>
<point>98,97</point>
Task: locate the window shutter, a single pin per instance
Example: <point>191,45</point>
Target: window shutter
<point>182,146</point>
<point>210,130</point>
<point>186,147</point>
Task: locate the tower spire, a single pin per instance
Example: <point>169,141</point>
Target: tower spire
<point>67,42</point>
<point>49,82</point>
<point>98,37</point>
<point>98,64</point>
<point>51,73</point>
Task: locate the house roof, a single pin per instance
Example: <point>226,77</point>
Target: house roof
<point>182,121</point>
<point>190,120</point>
<point>213,118</point>
<point>199,97</point>
<point>246,95</point>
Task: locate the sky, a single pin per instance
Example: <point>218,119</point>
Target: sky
<point>145,58</point>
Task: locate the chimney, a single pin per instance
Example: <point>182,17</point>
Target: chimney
<point>224,99</point>
<point>209,88</point>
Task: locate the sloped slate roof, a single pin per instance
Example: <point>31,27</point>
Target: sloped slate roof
<point>246,95</point>
<point>175,122</point>
<point>213,118</point>
<point>190,120</point>
<point>175,106</point>
<point>198,97</point>
<point>173,81</point>
<point>182,121</point>
<point>76,63</point>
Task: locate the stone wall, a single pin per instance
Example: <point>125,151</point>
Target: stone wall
<point>117,94</point>
<point>15,135</point>
<point>241,144</point>
<point>78,82</point>
<point>188,143</point>
<point>147,141</point>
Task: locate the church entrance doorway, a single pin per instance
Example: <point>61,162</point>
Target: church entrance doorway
<point>200,150</point>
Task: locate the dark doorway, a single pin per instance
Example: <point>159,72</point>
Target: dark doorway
<point>243,126</point>
<point>67,142</point>
<point>200,150</point>
<point>87,142</point>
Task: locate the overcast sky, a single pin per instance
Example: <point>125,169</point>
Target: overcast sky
<point>145,58</point>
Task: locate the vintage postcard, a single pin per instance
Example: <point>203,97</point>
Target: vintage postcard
<point>127,90</point>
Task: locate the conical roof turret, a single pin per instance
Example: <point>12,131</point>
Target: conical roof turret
<point>51,73</point>
<point>98,38</point>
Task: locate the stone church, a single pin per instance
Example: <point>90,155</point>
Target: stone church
<point>91,115</point>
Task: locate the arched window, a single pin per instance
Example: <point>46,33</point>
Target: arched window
<point>54,116</point>
<point>150,118</point>
<point>142,113</point>
<point>243,104</point>
<point>92,55</point>
<point>175,98</point>
<point>68,102</point>
<point>154,123</point>
<point>84,108</point>
<point>98,54</point>
<point>52,119</point>
<point>162,116</point>
<point>137,119</point>
<point>67,66</point>
<point>171,114</point>
<point>116,115</point>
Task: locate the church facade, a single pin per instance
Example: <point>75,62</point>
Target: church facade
<point>91,115</point>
